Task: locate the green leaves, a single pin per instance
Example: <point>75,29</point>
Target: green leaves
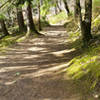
<point>45,7</point>
<point>2,17</point>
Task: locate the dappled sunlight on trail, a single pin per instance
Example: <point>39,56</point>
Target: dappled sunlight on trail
<point>34,69</point>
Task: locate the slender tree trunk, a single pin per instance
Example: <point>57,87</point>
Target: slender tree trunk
<point>3,26</point>
<point>66,6</point>
<point>60,2</point>
<point>56,11</point>
<point>20,20</point>
<point>77,9</point>
<point>30,23</point>
<point>86,23</point>
<point>57,2</point>
<point>88,18</point>
<point>56,7</point>
<point>40,28</point>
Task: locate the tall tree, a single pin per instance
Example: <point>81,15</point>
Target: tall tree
<point>30,23</point>
<point>66,6</point>
<point>76,9</point>
<point>20,19</point>
<point>39,12</point>
<point>58,6</point>
<point>86,22</point>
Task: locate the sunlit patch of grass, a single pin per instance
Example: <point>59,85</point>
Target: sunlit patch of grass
<point>21,39</point>
<point>15,38</point>
<point>85,69</point>
<point>9,41</point>
<point>79,66</point>
<point>62,16</point>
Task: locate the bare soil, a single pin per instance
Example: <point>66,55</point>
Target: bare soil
<point>35,69</point>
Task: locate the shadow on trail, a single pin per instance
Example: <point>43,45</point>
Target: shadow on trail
<point>33,65</point>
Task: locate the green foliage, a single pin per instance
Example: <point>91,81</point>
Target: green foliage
<point>7,41</point>
<point>14,29</point>
<point>44,23</point>
<point>96,24</point>
<point>85,69</point>
<point>71,25</point>
<point>96,6</point>
<point>62,16</point>
<point>97,21</point>
<point>45,8</point>
<point>74,36</point>
<point>2,17</point>
<point>10,40</point>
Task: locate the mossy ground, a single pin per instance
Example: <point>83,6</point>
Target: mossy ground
<point>85,68</point>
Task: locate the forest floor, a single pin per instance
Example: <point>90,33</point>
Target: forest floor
<point>35,69</point>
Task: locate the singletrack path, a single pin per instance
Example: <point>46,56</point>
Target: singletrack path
<point>34,69</point>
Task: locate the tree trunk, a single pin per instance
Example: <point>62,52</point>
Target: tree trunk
<point>40,28</point>
<point>20,20</point>
<point>56,11</point>
<point>76,9</point>
<point>56,7</point>
<point>3,26</point>
<point>30,24</point>
<point>88,17</point>
<point>57,2</point>
<point>66,6</point>
<point>86,23</point>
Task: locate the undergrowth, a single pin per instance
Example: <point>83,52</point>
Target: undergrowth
<point>85,68</point>
<point>62,16</point>
<point>10,40</point>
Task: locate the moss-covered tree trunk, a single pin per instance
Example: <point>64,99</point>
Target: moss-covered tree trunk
<point>3,26</point>
<point>20,20</point>
<point>30,23</point>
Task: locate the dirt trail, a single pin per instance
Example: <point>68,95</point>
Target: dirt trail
<point>31,70</point>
